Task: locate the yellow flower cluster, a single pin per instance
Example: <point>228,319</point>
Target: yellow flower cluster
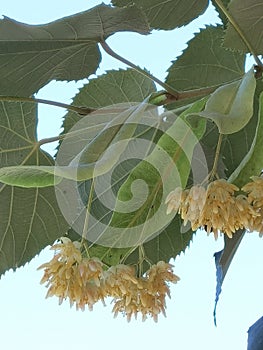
<point>217,208</point>
<point>254,192</point>
<point>68,275</point>
<point>145,295</point>
<point>84,282</point>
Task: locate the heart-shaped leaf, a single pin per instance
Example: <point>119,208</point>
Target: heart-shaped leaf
<point>30,218</point>
<point>66,49</point>
<point>142,210</point>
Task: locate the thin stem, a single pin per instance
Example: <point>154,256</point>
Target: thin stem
<point>79,110</point>
<point>109,51</point>
<point>86,223</point>
<point>239,31</point>
<point>141,260</point>
<point>50,139</point>
<point>218,147</point>
<point>182,95</point>
<point>197,92</point>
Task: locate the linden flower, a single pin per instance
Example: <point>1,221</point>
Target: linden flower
<point>120,283</point>
<point>246,211</point>
<point>144,295</point>
<point>220,213</point>
<point>255,191</point>
<point>156,288</point>
<point>68,251</point>
<point>119,280</point>
<point>70,276</point>
<point>192,206</point>
<point>174,200</point>
<point>158,275</point>
<point>256,223</point>
<point>255,198</point>
<point>90,295</point>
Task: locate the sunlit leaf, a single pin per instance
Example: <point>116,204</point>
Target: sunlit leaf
<point>29,176</point>
<point>252,163</point>
<point>141,216</point>
<point>231,105</point>
<point>233,151</point>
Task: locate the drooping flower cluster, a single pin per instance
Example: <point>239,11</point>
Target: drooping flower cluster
<point>217,208</point>
<point>68,275</point>
<point>83,281</point>
<point>254,192</point>
<point>145,295</point>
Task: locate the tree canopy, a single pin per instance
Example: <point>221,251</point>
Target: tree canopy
<point>141,164</point>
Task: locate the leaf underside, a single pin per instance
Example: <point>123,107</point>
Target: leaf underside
<point>247,14</point>
<point>170,241</point>
<point>66,49</point>
<point>168,14</point>
<point>212,64</point>
<point>30,218</point>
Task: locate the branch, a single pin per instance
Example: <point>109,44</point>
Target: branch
<point>110,52</point>
<point>79,110</point>
<point>168,96</point>
<point>164,98</point>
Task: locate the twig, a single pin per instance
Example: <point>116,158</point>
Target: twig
<point>217,153</point>
<point>167,88</point>
<point>79,110</point>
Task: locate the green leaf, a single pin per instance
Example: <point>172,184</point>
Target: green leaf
<point>168,14</point>
<point>247,14</point>
<point>140,213</point>
<point>170,243</point>
<point>220,12</point>
<point>122,86</point>
<point>231,105</point>
<point>252,164</point>
<point>96,158</point>
<point>66,49</point>
<point>102,191</point>
<point>234,146</point>
<point>205,62</point>
<point>29,176</point>
<point>30,218</point>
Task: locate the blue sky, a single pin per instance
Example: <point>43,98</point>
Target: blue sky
<point>29,321</point>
